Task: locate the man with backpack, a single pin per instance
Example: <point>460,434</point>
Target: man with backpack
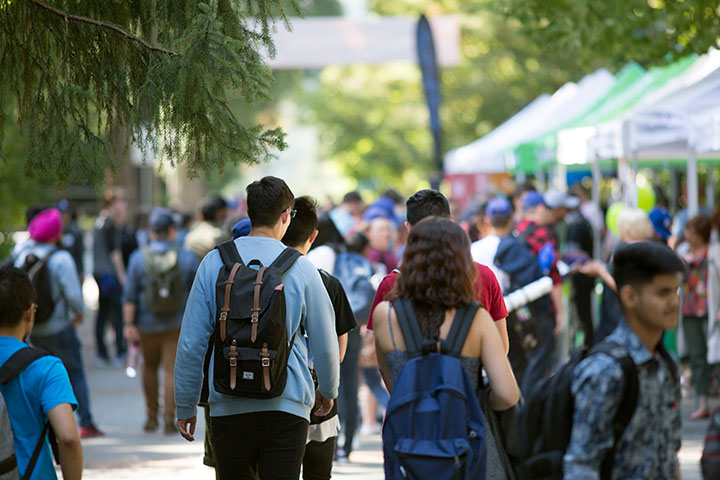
<point>323,431</point>
<point>515,266</point>
<point>60,305</point>
<point>249,300</point>
<point>36,390</point>
<point>648,278</point>
<point>159,278</point>
<point>427,203</point>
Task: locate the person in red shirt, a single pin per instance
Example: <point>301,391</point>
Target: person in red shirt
<point>426,203</point>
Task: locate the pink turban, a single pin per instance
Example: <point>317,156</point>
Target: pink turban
<point>46,226</point>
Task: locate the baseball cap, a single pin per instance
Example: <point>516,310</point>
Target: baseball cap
<point>498,207</point>
<point>241,228</point>
<point>46,226</point>
<point>161,219</point>
<point>557,199</point>
<point>532,199</point>
<point>661,221</point>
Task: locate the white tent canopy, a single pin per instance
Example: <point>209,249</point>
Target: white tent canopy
<point>545,114</point>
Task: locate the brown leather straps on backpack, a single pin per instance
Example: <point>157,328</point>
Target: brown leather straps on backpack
<point>233,364</point>
<point>226,305</point>
<point>255,317</point>
<point>265,366</point>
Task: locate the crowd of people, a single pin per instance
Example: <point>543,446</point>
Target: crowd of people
<point>300,328</point>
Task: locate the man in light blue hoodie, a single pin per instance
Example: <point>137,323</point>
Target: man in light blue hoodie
<point>261,437</point>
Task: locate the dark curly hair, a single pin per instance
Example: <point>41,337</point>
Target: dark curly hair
<point>437,272</point>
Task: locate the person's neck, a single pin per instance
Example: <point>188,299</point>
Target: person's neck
<point>698,250</point>
<point>500,232</point>
<point>301,248</point>
<point>15,332</point>
<point>269,232</point>
<point>648,335</point>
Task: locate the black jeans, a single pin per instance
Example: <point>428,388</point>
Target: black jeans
<point>266,445</point>
<point>109,308</point>
<point>348,408</point>
<point>540,360</point>
<point>318,459</point>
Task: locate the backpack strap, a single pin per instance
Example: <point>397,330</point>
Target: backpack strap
<point>628,402</point>
<point>462,322</point>
<point>14,365</point>
<point>229,254</point>
<point>409,326</point>
<point>286,259</point>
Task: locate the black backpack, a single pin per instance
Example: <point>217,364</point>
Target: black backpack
<point>250,339</point>
<point>13,367</point>
<point>545,420</point>
<point>39,273</point>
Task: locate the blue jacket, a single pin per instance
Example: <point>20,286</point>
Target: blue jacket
<point>307,303</point>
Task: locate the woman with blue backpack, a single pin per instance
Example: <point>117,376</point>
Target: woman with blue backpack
<point>432,340</point>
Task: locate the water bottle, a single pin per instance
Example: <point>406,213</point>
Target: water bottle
<point>133,360</point>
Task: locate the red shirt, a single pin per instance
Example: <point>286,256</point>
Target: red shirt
<point>487,290</point>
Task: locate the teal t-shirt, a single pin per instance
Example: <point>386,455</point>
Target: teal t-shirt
<point>42,386</point>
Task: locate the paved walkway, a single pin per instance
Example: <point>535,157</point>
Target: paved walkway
<point>126,452</point>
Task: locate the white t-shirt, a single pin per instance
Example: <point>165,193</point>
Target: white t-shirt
<point>323,257</point>
<point>483,252</point>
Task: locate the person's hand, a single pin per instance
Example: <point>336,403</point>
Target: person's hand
<point>131,334</point>
<point>558,324</point>
<point>592,268</point>
<point>186,427</point>
<point>77,319</point>
<point>323,405</point>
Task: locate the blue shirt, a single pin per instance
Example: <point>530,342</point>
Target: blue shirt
<point>307,303</point>
<point>137,281</point>
<point>42,386</point>
<point>64,284</point>
<point>649,445</point>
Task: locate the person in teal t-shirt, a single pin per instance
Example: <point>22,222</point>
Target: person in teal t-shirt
<point>41,392</point>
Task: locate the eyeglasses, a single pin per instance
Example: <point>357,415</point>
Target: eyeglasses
<point>292,211</point>
<point>34,307</point>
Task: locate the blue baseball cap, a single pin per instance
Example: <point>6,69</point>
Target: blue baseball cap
<point>499,207</point>
<point>241,228</point>
<point>661,222</point>
<point>161,219</point>
<point>532,199</point>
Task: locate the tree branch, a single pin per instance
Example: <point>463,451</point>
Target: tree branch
<point>99,23</point>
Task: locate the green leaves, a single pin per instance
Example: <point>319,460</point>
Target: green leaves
<point>86,78</point>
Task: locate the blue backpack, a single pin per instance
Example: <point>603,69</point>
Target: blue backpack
<point>434,427</point>
<point>354,272</point>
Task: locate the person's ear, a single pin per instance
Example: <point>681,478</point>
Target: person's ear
<point>313,236</point>
<point>629,297</point>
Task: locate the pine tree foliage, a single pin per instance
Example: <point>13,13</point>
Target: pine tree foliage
<point>80,77</point>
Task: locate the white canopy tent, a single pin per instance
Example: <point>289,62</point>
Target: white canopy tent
<point>489,154</point>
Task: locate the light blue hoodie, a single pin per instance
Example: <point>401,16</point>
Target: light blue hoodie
<point>307,302</point>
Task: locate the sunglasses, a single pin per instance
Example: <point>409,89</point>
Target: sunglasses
<point>292,212</point>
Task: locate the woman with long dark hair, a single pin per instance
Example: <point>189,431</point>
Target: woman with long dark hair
<point>437,276</point>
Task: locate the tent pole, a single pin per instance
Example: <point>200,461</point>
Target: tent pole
<point>710,187</point>
<point>541,183</point>
<point>692,183</point>
<point>596,180</point>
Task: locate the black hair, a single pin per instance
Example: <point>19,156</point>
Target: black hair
<point>16,295</point>
<point>393,195</point>
<point>352,197</point>
<point>357,242</point>
<point>267,199</point>
<point>211,207</point>
<point>427,203</point>
<point>328,234</point>
<point>500,222</point>
<point>636,264</point>
<point>304,223</point>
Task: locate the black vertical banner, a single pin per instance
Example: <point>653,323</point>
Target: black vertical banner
<point>431,86</point>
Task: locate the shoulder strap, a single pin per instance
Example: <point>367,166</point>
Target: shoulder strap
<point>460,327</point>
<point>18,361</point>
<point>409,326</point>
<point>286,259</point>
<point>36,452</point>
<point>628,402</point>
<point>229,254</point>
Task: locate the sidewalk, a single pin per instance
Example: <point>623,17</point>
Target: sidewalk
<point>126,452</point>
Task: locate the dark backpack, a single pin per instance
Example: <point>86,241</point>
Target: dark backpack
<point>710,460</point>
<point>434,427</point>
<point>13,367</point>
<point>354,272</point>
<point>250,339</point>
<point>545,420</point>
<point>39,273</point>
<point>163,288</point>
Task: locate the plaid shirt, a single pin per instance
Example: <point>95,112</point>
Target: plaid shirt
<point>537,238</point>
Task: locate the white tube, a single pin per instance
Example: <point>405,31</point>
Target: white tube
<point>528,293</point>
